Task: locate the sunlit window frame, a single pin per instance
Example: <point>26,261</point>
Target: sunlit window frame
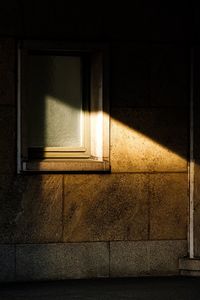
<point>96,116</point>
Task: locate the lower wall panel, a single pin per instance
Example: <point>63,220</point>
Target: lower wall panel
<point>146,258</point>
<point>62,261</point>
<point>56,261</point>
<point>7,262</point>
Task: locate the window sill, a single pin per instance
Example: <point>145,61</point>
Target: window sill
<point>68,165</point>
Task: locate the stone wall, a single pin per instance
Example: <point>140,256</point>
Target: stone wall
<point>127,223</point>
<point>134,220</point>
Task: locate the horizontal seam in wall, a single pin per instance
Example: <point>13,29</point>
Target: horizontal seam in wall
<point>151,172</point>
<point>149,107</point>
<point>92,242</point>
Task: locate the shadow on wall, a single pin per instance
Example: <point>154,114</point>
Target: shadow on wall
<point>149,106</point>
<point>149,132</point>
<point>31,209</point>
<point>150,95</point>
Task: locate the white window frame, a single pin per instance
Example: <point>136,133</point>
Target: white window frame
<point>99,158</point>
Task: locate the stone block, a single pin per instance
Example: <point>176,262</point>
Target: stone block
<point>105,207</point>
<point>37,232</point>
<point>7,86</point>
<point>89,25</point>
<point>130,76</point>
<point>196,104</point>
<point>5,185</point>
<point>8,205</point>
<point>189,267</point>
<point>7,233</point>
<point>8,166</point>
<point>196,131</point>
<point>145,140</point>
<point>39,214</point>
<point>164,256</point>
<point>32,209</point>
<point>196,153</point>
<point>10,18</point>
<point>42,198</point>
<point>8,54</point>
<point>197,209</point>
<point>7,133</point>
<point>169,76</point>
<point>147,23</point>
<point>169,206</point>
<point>7,71</point>
<point>140,258</point>
<point>155,76</point>
<point>7,263</point>
<point>128,259</point>
<point>11,189</point>
<point>62,261</point>
<point>189,264</point>
<point>191,274</point>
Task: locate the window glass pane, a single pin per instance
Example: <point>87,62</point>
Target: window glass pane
<point>54,101</point>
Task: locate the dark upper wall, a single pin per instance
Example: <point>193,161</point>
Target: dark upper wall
<point>139,21</point>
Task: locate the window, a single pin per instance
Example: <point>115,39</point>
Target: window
<point>63,122</point>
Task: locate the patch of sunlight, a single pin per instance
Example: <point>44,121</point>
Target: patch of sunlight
<point>132,150</point>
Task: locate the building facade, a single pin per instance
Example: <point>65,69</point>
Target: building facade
<point>139,214</point>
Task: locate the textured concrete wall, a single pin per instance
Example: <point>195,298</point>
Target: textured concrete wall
<point>127,223</point>
<point>51,261</point>
<point>196,152</point>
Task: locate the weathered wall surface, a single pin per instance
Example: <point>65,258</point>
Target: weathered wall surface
<point>196,152</point>
<point>127,223</point>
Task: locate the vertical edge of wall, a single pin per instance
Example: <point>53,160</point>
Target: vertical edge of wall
<point>190,266</point>
<point>196,153</point>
